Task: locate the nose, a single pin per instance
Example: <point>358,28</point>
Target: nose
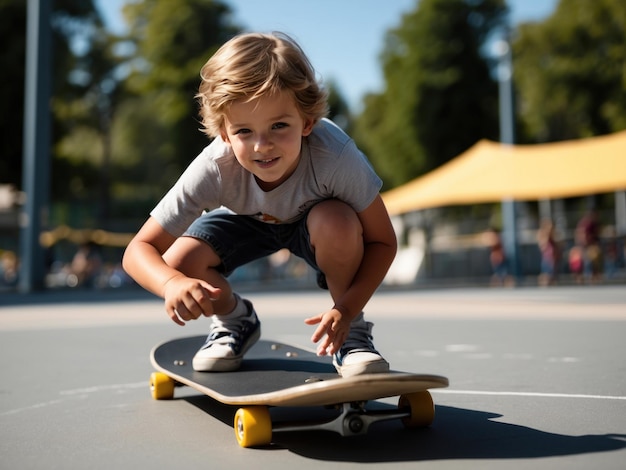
<point>262,143</point>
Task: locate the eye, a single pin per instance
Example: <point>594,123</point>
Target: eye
<point>243,131</point>
<point>280,125</point>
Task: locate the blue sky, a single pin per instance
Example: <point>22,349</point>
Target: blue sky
<point>343,38</point>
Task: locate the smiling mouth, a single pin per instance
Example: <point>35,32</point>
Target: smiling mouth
<point>265,161</point>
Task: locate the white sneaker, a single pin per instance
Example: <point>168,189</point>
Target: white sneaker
<point>227,342</point>
<point>358,356</point>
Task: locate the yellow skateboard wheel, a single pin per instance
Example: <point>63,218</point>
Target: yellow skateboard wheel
<point>253,426</point>
<point>422,409</point>
<point>161,386</point>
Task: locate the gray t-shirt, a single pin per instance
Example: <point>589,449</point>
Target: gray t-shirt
<point>330,166</point>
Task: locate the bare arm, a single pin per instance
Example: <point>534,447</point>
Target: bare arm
<point>143,258</point>
<point>186,298</point>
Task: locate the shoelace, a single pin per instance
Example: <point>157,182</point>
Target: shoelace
<point>220,334</point>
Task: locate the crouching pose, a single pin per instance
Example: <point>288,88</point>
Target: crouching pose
<point>276,175</point>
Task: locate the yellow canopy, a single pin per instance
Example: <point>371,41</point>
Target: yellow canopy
<point>491,172</point>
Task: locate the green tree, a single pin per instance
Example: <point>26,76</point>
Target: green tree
<point>570,71</point>
<point>439,97</point>
<point>73,22</point>
<point>338,109</point>
<point>85,112</point>
<point>173,40</point>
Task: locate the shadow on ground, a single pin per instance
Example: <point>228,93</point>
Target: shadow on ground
<point>456,434</point>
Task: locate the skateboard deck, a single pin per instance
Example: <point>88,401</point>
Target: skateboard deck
<point>275,374</point>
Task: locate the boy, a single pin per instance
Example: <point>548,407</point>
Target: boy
<point>277,175</point>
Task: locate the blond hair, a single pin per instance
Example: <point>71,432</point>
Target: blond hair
<point>253,65</point>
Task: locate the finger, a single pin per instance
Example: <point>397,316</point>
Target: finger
<point>325,347</point>
<point>171,312</point>
<point>215,292</point>
<point>202,301</point>
<point>313,320</point>
<point>336,342</point>
<point>208,293</point>
<point>189,308</point>
<point>177,319</point>
<point>335,345</point>
<point>320,331</point>
<point>182,313</point>
<point>326,344</point>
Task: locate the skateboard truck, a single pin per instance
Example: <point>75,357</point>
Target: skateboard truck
<point>353,420</point>
<point>254,427</point>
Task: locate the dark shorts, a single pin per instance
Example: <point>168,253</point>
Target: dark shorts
<point>239,239</point>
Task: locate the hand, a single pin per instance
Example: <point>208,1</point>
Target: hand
<point>187,298</point>
<point>333,328</point>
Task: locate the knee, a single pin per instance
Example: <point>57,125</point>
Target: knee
<point>334,222</point>
<point>191,256</point>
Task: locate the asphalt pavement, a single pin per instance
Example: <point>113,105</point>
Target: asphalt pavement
<point>537,379</point>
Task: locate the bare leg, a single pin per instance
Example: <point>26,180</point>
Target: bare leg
<point>337,240</point>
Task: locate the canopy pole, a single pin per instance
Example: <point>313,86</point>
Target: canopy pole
<point>620,213</point>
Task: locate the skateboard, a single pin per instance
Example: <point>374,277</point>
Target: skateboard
<point>274,374</point>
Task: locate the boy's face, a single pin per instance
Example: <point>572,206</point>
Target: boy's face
<point>266,137</point>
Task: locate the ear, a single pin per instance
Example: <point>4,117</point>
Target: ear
<point>224,135</point>
<point>308,127</point>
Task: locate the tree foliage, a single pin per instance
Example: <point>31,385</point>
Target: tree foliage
<point>74,23</point>
<point>570,71</point>
<point>338,109</point>
<point>173,40</point>
<point>125,120</point>
<point>439,96</point>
